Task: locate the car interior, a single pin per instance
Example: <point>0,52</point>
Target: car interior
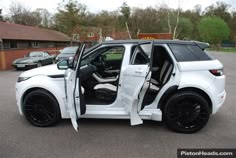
<point>100,77</point>
<point>99,74</point>
<point>162,67</point>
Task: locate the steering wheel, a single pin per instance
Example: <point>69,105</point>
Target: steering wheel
<point>102,61</point>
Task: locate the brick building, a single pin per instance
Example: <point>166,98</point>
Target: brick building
<point>17,40</point>
<point>96,34</point>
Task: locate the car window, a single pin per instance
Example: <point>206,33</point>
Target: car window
<point>46,54</point>
<point>188,53</point>
<point>139,57</point>
<point>35,54</point>
<point>69,50</point>
<point>114,53</point>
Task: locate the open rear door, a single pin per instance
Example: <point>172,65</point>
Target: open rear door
<point>73,89</point>
<point>136,80</point>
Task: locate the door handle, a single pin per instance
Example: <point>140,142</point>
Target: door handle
<point>138,71</point>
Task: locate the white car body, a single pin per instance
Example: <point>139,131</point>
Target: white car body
<point>132,85</point>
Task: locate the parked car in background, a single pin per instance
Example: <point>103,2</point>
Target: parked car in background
<point>67,52</point>
<point>34,59</point>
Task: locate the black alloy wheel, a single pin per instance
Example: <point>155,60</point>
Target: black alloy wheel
<point>186,112</point>
<point>41,108</point>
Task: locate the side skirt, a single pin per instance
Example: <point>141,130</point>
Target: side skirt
<point>120,113</point>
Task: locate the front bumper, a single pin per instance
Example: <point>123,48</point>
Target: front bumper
<point>25,66</point>
<point>18,96</point>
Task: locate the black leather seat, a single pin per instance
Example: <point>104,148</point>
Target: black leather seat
<point>165,67</point>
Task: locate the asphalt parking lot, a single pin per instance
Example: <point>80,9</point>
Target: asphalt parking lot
<point>111,138</point>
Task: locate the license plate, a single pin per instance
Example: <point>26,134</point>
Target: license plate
<point>20,65</point>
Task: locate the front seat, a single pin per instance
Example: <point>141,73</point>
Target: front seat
<point>106,92</point>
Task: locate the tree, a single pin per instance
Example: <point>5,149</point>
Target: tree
<point>172,16</point>
<point>194,16</point>
<point>185,29</point>
<point>69,15</point>
<point>20,14</point>
<point>145,20</point>
<point>45,16</point>
<point>213,30</point>
<point>1,17</point>
<point>219,9</point>
<point>232,24</point>
<point>125,11</point>
<point>107,21</point>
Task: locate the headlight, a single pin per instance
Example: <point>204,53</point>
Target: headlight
<point>14,62</point>
<point>20,79</point>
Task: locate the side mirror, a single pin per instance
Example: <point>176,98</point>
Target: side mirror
<point>63,64</point>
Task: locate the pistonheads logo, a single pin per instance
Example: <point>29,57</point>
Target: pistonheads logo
<point>206,153</point>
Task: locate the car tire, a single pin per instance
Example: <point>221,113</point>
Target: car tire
<point>186,112</point>
<point>41,108</point>
<point>39,64</point>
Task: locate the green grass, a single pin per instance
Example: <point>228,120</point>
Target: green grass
<point>115,56</point>
<point>227,50</point>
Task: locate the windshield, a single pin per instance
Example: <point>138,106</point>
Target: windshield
<point>69,50</point>
<point>35,54</point>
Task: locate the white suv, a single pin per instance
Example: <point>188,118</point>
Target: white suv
<point>173,81</point>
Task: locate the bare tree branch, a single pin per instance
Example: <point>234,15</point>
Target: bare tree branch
<point>177,18</point>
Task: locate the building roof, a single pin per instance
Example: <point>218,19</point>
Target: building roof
<point>22,32</point>
<point>120,35</point>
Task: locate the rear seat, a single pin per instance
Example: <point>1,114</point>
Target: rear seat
<point>163,75</point>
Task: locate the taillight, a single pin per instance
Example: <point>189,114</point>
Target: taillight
<point>218,72</point>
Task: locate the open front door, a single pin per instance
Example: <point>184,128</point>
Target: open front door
<point>73,89</point>
<point>136,80</point>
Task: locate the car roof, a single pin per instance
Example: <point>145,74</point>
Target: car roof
<point>42,51</point>
<point>202,45</point>
<point>72,47</point>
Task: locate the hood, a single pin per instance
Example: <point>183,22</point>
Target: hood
<point>49,70</point>
<point>25,60</point>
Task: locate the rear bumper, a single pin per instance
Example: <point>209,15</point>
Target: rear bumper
<point>219,100</point>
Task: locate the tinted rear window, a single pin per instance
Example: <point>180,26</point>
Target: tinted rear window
<point>188,53</point>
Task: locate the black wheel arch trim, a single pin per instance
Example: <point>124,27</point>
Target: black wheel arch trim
<point>170,91</point>
<point>33,89</point>
<point>174,89</point>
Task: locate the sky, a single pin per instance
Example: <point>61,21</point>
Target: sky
<point>110,5</point>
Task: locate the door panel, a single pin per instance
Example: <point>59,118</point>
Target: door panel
<point>136,80</point>
<point>73,89</point>
<point>71,79</point>
<point>143,90</point>
<point>133,79</point>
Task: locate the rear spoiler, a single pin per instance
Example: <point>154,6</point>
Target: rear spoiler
<point>202,45</point>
